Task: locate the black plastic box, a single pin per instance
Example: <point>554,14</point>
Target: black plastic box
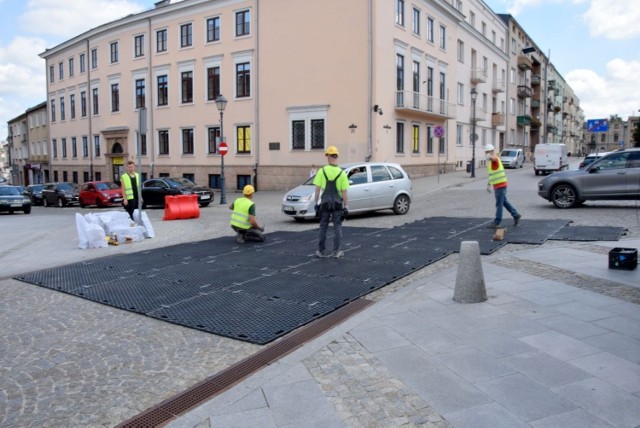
<point>623,258</point>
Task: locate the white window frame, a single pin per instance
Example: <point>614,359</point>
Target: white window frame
<point>307,114</point>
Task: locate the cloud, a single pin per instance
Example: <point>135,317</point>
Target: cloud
<point>22,73</point>
<point>616,92</point>
<point>66,19</point>
<point>517,6</point>
<point>613,19</point>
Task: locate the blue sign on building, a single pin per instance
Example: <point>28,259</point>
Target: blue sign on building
<point>597,125</point>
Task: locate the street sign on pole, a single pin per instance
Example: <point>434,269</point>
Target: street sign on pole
<point>438,131</point>
<point>597,125</point>
<point>223,148</point>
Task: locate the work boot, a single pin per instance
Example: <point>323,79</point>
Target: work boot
<point>240,238</point>
<point>322,254</point>
<point>516,220</point>
<point>338,254</point>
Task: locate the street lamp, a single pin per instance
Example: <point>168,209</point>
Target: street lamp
<point>474,95</point>
<point>221,103</point>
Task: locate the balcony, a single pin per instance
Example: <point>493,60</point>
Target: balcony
<point>478,75</point>
<point>535,103</point>
<point>497,119</point>
<point>552,85</point>
<point>524,62</point>
<point>524,120</point>
<point>552,129</point>
<point>498,86</point>
<point>524,91</point>
<point>481,114</point>
<point>535,123</point>
<point>431,106</point>
<point>535,79</point>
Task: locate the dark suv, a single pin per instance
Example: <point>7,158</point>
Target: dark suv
<point>61,194</point>
<point>34,191</point>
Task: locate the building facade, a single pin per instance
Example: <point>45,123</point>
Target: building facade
<point>18,149</point>
<point>386,81</point>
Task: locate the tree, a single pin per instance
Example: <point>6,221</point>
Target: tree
<point>614,118</point>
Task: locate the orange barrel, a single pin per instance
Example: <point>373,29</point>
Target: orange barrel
<point>181,207</point>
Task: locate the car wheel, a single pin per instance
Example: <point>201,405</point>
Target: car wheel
<point>206,204</point>
<point>99,203</point>
<point>27,210</point>
<point>401,204</point>
<point>564,196</point>
<point>60,203</point>
<point>82,204</point>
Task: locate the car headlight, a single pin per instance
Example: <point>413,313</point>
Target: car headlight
<point>26,201</point>
<point>306,198</point>
<point>4,201</point>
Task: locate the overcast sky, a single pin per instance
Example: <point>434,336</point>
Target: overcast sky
<point>595,44</point>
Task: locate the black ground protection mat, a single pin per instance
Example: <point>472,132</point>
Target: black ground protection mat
<point>259,292</point>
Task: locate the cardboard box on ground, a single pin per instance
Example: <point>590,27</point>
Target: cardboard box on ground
<point>96,230</point>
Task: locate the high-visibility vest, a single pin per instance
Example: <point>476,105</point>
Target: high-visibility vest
<point>126,179</point>
<point>497,176</point>
<point>240,215</point>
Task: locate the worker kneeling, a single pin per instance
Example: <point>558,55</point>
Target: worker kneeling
<point>243,218</point>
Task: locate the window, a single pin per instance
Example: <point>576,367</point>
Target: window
<point>512,106</point>
<point>472,19</point>
<point>74,147</point>
<point>243,23</point>
<point>442,147</point>
<point>163,90</point>
<point>62,112</point>
<point>460,93</point>
<point>186,35</point>
<point>308,129</point>
<point>400,12</point>
<point>72,105</point>
<point>83,63</point>
<point>51,74</point>
<point>443,81</point>
<point>213,135</point>
<point>430,30</point>
<point>163,142</point>
<point>484,29</point>
<point>94,97</point>
<point>415,139</point>
<point>512,76</point>
<point>63,143</point>
<point>61,71</point>
<point>96,145</point>
<point>143,144</point>
<point>187,141</point>
<point>416,83</point>
<point>459,131</point>
<point>415,24</point>
<point>85,146</point>
<point>400,79</point>
<point>53,110</point>
<point>115,97</point>
<point>98,176</point>
<point>83,103</point>
<point>138,45</point>
<point>513,46</point>
<point>161,40</point>
<point>493,37</point>
<point>399,137</point>
<point>71,70</point>
<point>243,139</point>
<point>461,51</point>
<point>213,83</point>
<point>213,29</point>
<point>429,140</point>
<point>243,80</point>
<point>140,93</point>
<point>54,148</point>
<point>113,47</point>
<point>430,81</point>
<point>443,37</point>
<point>85,176</point>
<point>94,58</point>
<point>187,86</point>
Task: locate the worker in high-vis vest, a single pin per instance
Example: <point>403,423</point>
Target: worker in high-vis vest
<point>498,181</point>
<point>243,218</point>
<point>129,186</point>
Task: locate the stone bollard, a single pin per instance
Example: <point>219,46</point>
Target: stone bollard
<point>470,286</point>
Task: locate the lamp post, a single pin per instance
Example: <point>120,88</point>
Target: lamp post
<point>221,103</point>
<point>474,137</point>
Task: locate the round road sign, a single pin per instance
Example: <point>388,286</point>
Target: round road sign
<point>438,131</point>
<point>223,148</point>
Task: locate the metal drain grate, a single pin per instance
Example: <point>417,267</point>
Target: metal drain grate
<point>214,385</point>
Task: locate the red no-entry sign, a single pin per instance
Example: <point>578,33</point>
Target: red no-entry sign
<point>223,148</point>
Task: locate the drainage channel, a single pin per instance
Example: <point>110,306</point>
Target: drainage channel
<point>216,384</point>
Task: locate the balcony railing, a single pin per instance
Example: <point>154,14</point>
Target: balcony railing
<point>416,101</point>
<point>497,119</point>
<point>552,129</point>
<point>480,115</point>
<point>498,86</point>
<point>524,120</point>
<point>535,103</point>
<point>478,75</point>
<point>535,79</point>
<point>524,91</point>
<point>524,62</point>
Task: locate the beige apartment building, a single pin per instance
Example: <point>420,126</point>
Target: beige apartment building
<point>383,80</point>
<point>18,149</point>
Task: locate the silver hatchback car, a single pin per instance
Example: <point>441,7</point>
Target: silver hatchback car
<point>374,186</point>
<point>615,176</point>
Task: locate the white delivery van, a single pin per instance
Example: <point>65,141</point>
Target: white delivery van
<point>548,158</point>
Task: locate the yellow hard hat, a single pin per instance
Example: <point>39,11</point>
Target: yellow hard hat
<point>248,190</point>
<point>331,150</point>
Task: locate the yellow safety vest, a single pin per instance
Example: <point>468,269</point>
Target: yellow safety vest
<point>240,215</point>
<point>498,176</point>
<point>126,179</point>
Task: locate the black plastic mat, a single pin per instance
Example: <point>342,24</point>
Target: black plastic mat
<point>259,292</point>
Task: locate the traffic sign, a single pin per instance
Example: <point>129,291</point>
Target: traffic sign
<point>223,148</point>
<point>438,131</point>
<point>597,125</point>
<point>621,143</point>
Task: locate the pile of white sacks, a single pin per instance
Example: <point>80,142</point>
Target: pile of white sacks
<point>96,229</point>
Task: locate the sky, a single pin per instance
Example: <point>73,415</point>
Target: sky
<point>594,44</point>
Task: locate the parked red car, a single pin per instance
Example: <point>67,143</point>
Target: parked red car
<point>100,193</point>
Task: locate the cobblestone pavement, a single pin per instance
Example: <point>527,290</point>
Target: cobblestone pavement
<point>65,361</point>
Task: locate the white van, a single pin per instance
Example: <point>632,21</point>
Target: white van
<point>548,158</point>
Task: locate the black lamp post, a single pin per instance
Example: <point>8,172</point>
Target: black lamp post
<point>474,137</point>
<point>221,103</point>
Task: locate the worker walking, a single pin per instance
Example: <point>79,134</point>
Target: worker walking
<point>243,218</point>
<point>332,205</point>
<point>498,180</point>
